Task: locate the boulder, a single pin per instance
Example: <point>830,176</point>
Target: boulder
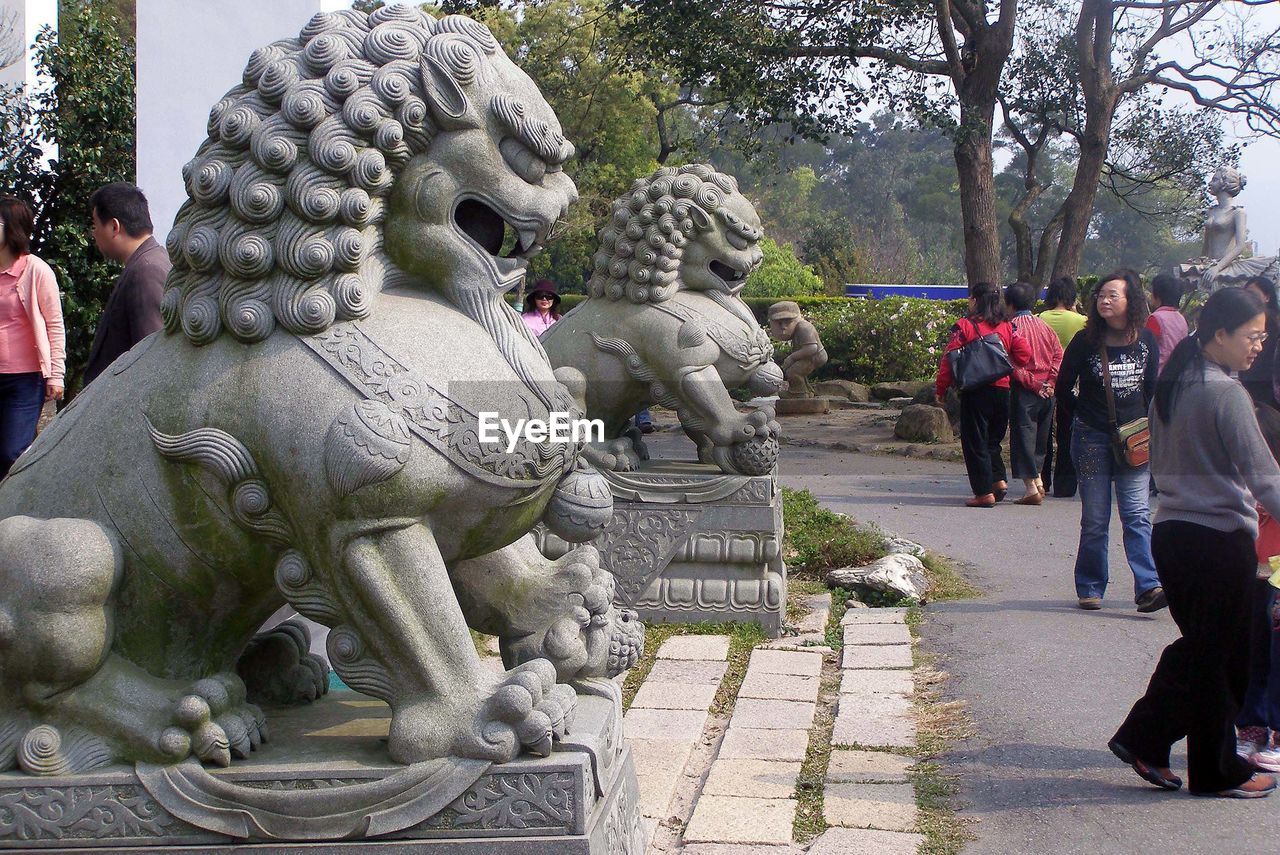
<point>902,574</point>
<point>924,396</point>
<point>895,545</point>
<point>898,389</point>
<point>846,389</point>
<point>923,423</point>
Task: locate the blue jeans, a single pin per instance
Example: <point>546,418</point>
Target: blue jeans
<point>1096,472</point>
<point>21,398</point>
<point>1261,705</point>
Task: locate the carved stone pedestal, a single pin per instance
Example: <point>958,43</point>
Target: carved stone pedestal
<point>689,543</point>
<point>323,783</point>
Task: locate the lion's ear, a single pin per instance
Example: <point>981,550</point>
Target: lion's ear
<point>701,221</point>
<point>449,104</point>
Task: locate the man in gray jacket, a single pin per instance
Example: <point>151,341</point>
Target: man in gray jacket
<point>122,232</point>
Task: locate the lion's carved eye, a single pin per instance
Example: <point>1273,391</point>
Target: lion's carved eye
<point>523,162</point>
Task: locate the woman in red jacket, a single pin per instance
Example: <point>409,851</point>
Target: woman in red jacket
<point>984,411</point>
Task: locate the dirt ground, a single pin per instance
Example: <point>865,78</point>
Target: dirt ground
<point>864,429</point>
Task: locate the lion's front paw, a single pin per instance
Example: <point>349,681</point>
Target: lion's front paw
<point>490,718</point>
<point>528,710</point>
<point>213,722</point>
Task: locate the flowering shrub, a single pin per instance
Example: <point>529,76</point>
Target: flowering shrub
<point>896,338</point>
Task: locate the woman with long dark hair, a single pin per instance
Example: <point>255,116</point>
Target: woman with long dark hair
<point>984,411</point>
<point>1114,358</point>
<point>1211,461</point>
<point>1258,379</point>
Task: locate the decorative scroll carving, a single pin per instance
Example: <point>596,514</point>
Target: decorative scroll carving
<point>530,800</point>
<point>433,416</point>
<point>231,463</point>
<point>637,545</point>
<point>747,351</point>
<point>82,813</point>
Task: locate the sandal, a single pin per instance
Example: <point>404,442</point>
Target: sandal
<point>1162,778</point>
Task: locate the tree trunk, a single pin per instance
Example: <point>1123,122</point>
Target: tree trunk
<point>978,195</point>
<point>1094,30</point>
<point>1077,209</point>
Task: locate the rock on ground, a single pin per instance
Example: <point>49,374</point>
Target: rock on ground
<point>843,389</point>
<point>899,389</point>
<point>923,423</point>
<point>900,573</point>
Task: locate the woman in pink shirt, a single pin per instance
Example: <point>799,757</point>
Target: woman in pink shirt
<point>32,342</point>
<point>543,303</point>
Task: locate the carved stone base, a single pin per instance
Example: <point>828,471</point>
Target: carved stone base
<point>801,406</point>
<point>324,782</point>
<point>688,543</point>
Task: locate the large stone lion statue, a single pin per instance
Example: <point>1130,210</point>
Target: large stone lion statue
<point>664,322</point>
<point>304,430</point>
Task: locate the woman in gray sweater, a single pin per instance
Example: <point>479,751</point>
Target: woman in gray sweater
<point>1210,462</point>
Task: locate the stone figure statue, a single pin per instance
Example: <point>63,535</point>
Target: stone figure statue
<point>807,355</point>
<point>305,430</point>
<point>664,323</point>
<point>1225,239</point>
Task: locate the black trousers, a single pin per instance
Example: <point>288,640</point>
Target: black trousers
<point>1200,680</point>
<point>1058,468</point>
<point>984,417</point>
<point>1029,420</point>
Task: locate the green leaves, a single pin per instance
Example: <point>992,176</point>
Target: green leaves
<point>83,110</point>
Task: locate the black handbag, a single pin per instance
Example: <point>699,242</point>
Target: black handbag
<point>980,361</point>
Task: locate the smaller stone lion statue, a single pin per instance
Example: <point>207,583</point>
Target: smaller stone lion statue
<point>664,323</point>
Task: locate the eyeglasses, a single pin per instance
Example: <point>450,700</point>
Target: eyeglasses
<point>541,297</point>
<point>1256,338</point>
<point>1107,298</point>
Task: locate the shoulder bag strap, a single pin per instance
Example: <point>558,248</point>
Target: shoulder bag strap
<point>1106,384</point>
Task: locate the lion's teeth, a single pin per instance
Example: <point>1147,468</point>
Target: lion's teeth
<point>528,237</point>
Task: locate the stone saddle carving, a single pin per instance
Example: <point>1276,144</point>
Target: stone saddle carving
<point>663,323</point>
<point>304,431</point>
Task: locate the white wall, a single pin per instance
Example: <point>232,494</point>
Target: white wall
<point>189,55</point>
<point>26,17</point>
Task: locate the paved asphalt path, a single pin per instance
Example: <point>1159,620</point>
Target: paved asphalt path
<point>1045,682</point>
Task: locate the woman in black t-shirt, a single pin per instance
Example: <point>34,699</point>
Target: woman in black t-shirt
<point>1117,314</point>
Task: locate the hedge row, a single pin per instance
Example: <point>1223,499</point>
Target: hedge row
<point>893,338</point>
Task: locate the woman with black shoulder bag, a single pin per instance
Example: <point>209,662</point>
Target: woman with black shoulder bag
<point>980,356</point>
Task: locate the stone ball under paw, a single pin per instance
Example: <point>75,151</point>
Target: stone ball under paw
<point>756,456</point>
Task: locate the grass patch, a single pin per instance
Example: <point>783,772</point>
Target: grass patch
<point>818,539</point>
<point>945,582</point>
<point>810,821</point>
<point>743,637</point>
<point>938,723</point>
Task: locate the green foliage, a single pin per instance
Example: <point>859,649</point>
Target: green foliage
<point>898,338</point>
<point>573,50</point>
<point>86,109</point>
<point>818,540</point>
<point>781,274</point>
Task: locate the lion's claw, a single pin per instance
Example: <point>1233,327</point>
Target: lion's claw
<point>214,723</point>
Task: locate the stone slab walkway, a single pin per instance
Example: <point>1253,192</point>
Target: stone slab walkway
<point>669,714</point>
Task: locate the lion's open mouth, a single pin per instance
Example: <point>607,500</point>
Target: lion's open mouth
<point>730,275</point>
<point>493,233</point>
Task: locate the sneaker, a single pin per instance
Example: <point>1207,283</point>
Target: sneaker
<point>1152,601</point>
<point>1268,759</point>
<point>1257,787</point>
<point>1251,741</point>
<point>1091,603</point>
